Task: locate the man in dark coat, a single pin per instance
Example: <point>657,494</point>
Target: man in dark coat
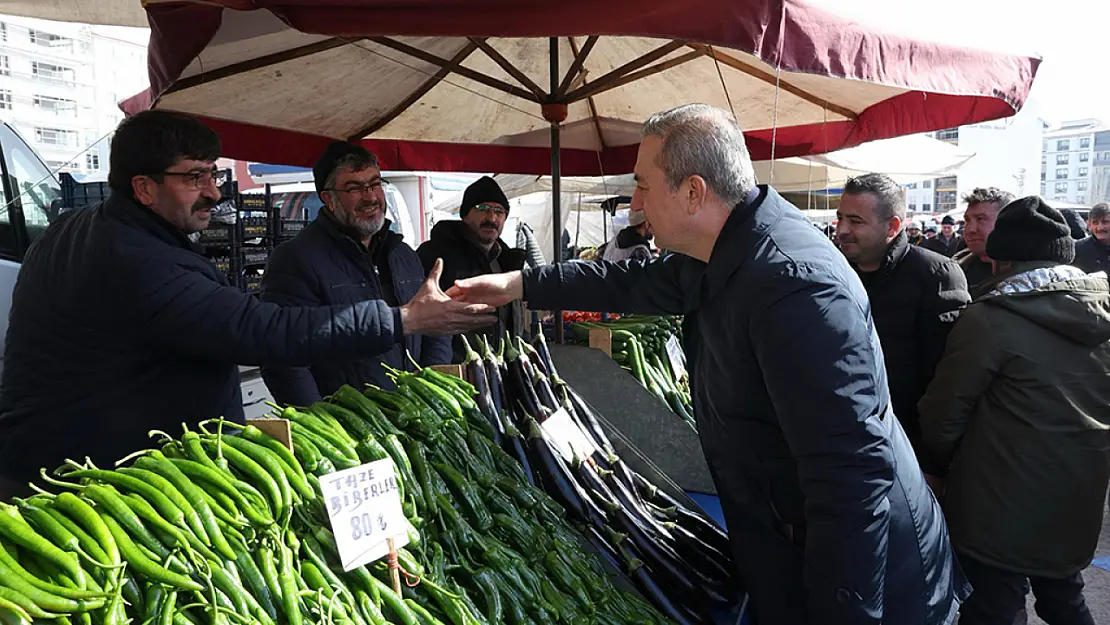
<point>472,247</point>
<point>119,325</point>
<point>983,204</point>
<point>347,255</point>
<point>1092,254</point>
<point>947,243</point>
<point>829,515</point>
<point>914,293</point>
<point>1018,416</point>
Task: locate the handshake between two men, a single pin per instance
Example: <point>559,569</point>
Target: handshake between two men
<point>469,304</point>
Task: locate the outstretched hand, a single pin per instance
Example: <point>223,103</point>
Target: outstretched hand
<point>495,289</point>
<point>432,312</point>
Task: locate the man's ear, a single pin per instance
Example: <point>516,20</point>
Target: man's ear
<point>695,193</point>
<point>894,226</point>
<point>144,189</point>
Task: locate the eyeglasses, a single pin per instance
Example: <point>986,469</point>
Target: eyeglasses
<point>360,189</point>
<point>491,208</point>
<point>200,179</point>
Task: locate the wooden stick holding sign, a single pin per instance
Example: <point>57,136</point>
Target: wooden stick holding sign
<point>394,568</point>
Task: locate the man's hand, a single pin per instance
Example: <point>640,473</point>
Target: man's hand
<point>495,289</point>
<point>431,312</point>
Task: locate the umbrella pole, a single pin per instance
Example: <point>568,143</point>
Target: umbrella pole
<point>551,113</point>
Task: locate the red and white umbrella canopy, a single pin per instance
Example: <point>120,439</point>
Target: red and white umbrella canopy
<point>466,85</point>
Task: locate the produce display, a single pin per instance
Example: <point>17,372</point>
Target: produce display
<point>676,556</point>
<point>639,344</point>
<point>225,524</point>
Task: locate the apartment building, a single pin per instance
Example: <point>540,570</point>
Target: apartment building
<point>60,84</point>
<point>1075,162</point>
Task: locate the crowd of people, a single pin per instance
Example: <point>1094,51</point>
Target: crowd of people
<point>901,429</point>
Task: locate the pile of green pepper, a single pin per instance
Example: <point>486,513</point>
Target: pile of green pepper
<point>226,525</point>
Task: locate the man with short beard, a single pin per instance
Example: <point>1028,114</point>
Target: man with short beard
<point>983,205</point>
<point>347,254</point>
<point>472,247</point>
<point>1092,254</point>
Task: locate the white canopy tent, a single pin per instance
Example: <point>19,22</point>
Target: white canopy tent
<point>100,12</point>
<point>906,159</point>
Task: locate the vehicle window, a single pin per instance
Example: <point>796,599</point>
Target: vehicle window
<point>38,191</point>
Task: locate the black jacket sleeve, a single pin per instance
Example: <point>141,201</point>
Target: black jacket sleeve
<point>286,283</point>
<point>946,294</point>
<point>183,309</point>
<point>661,286</point>
<point>829,408</point>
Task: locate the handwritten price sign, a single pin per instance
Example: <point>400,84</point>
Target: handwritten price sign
<point>364,507</point>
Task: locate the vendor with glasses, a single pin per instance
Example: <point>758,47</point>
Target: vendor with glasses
<point>473,247</point>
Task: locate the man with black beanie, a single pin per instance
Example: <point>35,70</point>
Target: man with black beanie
<point>1018,414</point>
<point>948,242</point>
<point>472,247</point>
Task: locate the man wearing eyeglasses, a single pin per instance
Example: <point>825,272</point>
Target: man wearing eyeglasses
<point>473,247</point>
<point>120,326</point>
<point>348,254</point>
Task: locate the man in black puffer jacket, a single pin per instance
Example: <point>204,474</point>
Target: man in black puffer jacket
<point>473,247</point>
<point>119,325</point>
<point>915,293</point>
<point>347,255</point>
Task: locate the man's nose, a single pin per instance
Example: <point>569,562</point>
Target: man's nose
<point>637,203</point>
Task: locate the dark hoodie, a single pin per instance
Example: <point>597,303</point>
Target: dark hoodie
<point>1019,411</point>
<point>454,242</point>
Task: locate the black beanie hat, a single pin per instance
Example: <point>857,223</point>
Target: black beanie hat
<point>1027,229</point>
<point>484,189</point>
<point>335,152</point>
<point>948,221</point>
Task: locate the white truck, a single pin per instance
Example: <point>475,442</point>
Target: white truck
<point>32,198</point>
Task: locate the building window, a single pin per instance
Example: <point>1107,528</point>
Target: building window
<point>5,100</point>
<point>47,40</point>
<point>5,68</point>
<point>1042,176</point>
<point>926,207</point>
<point>926,184</point>
<point>56,136</point>
<point>1084,143</point>
<point>1084,157</point>
<point>1081,185</point>
<point>3,31</point>
<point>1063,145</point>
<point>913,207</point>
<point>1082,172</point>
<point>92,161</point>
<point>1061,198</point>
<point>1081,199</point>
<point>1042,189</point>
<point>1061,187</point>
<point>1043,159</point>
<point>913,185</point>
<point>949,134</point>
<point>1061,159</point>
<point>1061,172</point>
<point>58,106</point>
<point>48,72</point>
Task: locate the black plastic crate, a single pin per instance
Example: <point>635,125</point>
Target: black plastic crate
<point>217,235</point>
<point>254,228</point>
<point>223,263</point>
<point>80,194</point>
<point>292,227</point>
<point>254,202</point>
<point>251,283</point>
<point>254,256</point>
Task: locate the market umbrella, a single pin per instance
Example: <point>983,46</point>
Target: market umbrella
<point>101,12</point>
<point>551,87</point>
